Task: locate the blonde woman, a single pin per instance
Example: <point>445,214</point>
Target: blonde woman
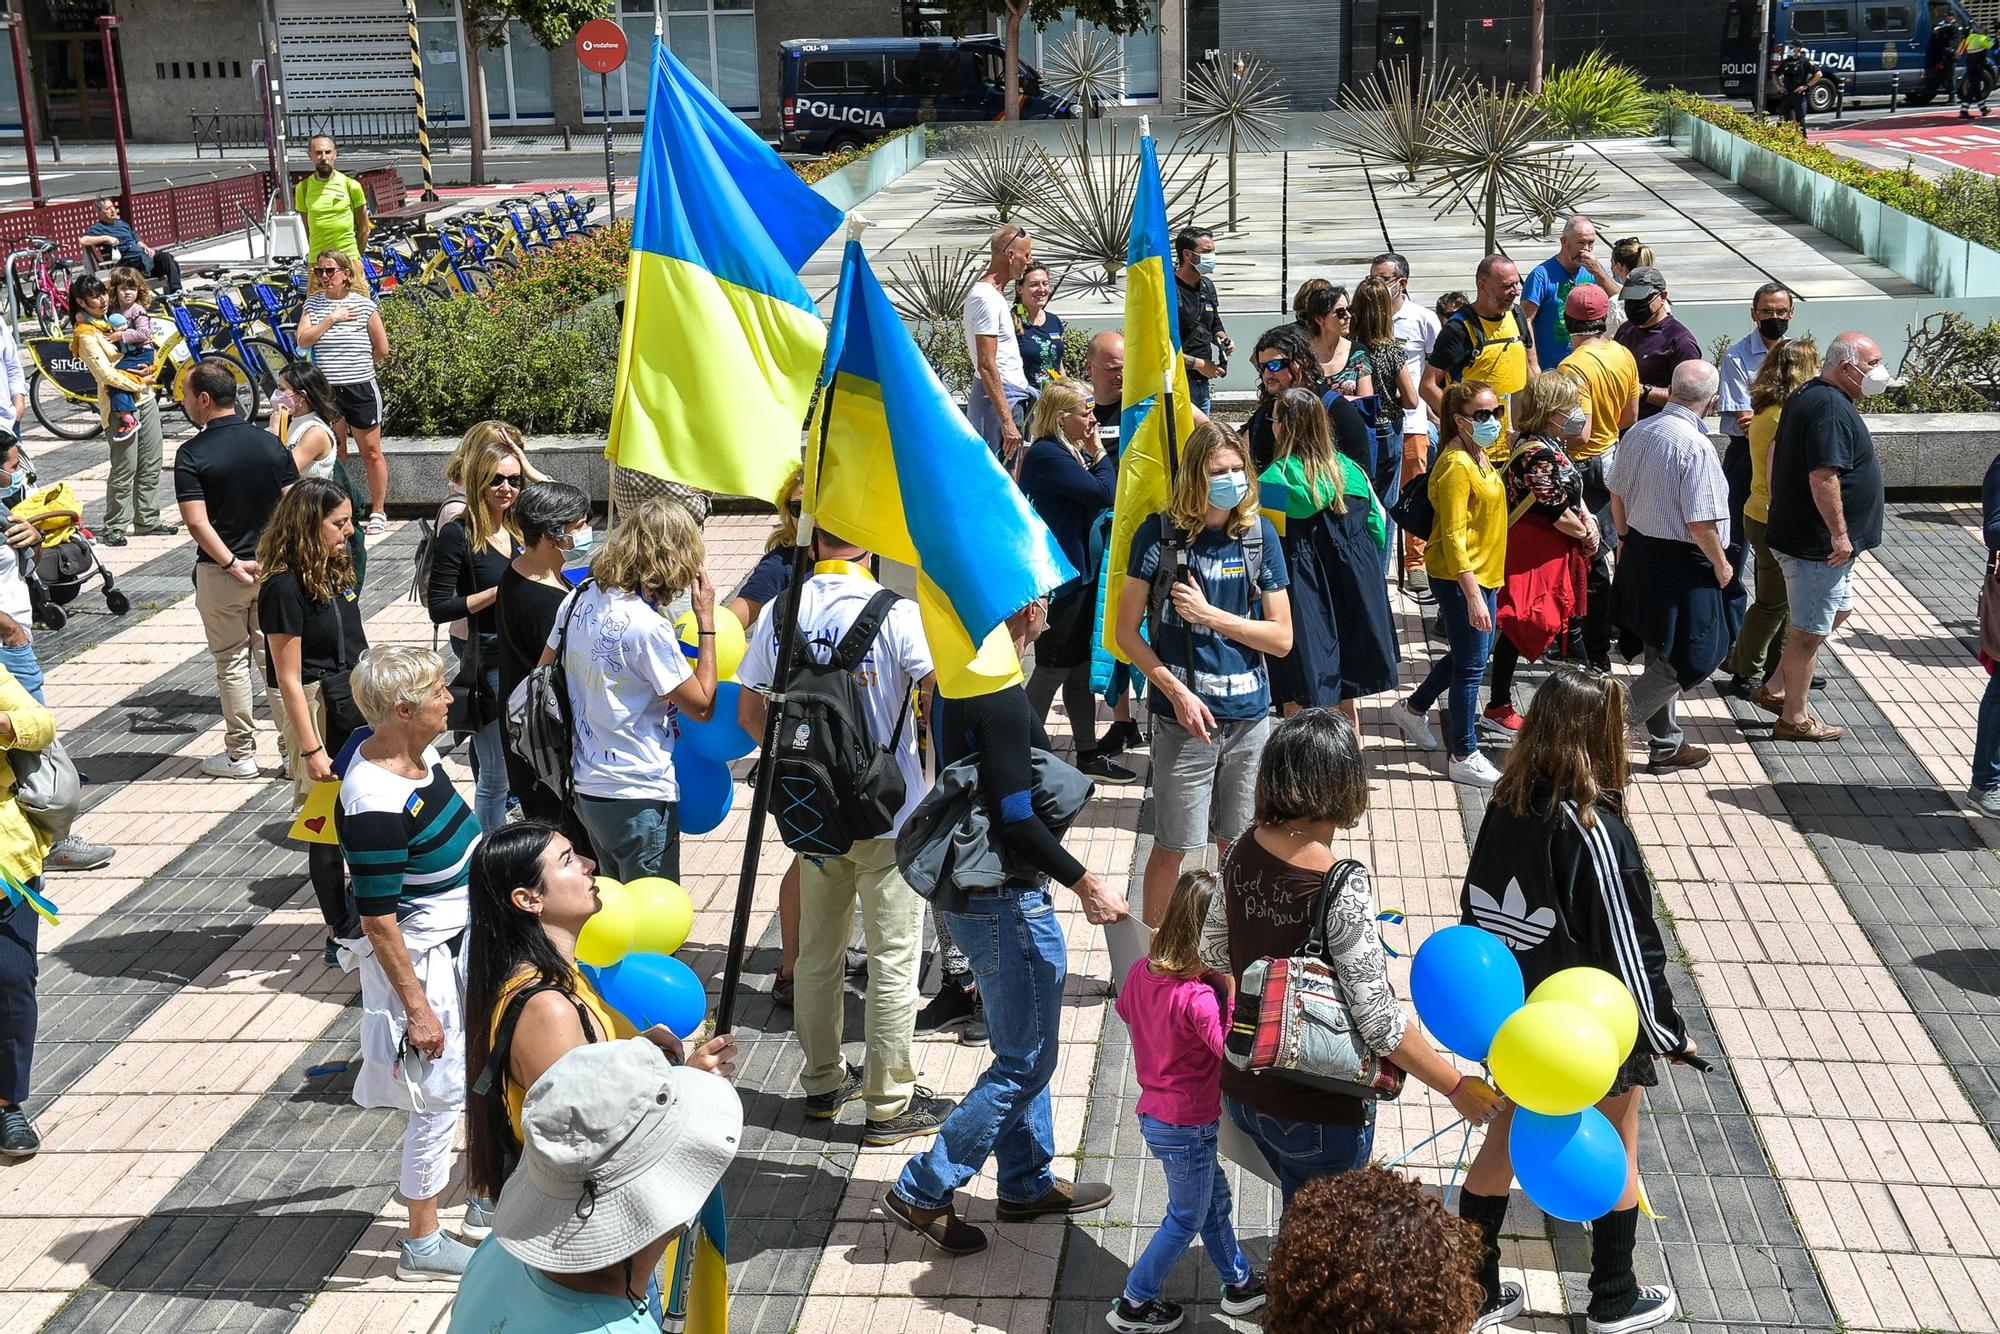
<point>470,556</point>
<point>1211,626</point>
<point>344,330</point>
<point>627,678</point>
<point>772,574</point>
<point>471,444</point>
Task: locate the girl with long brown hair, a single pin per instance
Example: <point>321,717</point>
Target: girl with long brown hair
<point>1557,873</point>
<point>1761,641</point>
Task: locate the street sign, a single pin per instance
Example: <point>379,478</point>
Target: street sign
<point>600,46</point>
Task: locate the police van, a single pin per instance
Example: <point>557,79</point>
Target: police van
<point>842,93</point>
<point>1863,46</point>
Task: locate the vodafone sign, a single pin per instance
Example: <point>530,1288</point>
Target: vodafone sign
<point>600,46</point>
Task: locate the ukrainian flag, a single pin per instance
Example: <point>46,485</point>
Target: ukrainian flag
<point>895,468</point>
<point>1152,360</point>
<point>721,344</point>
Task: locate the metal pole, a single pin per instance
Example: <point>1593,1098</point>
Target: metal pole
<point>106,25</point>
<point>14,23</point>
<point>274,71</point>
<point>423,119</point>
<point>1763,58</point>
<point>610,175</point>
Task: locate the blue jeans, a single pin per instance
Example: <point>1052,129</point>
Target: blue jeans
<point>138,363</point>
<point>1015,946</point>
<point>24,666</point>
<point>1198,392</point>
<point>1197,1203</point>
<point>1986,742</point>
<point>1462,666</point>
<point>489,753</point>
<point>1299,1151</point>
<point>633,836</point>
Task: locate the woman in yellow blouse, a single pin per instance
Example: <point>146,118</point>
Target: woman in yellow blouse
<point>1467,563</point>
<point>24,725</point>
<point>1761,641</point>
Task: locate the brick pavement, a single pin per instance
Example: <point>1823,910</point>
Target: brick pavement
<point>205,1170</point>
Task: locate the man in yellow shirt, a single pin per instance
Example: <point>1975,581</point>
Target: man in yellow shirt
<point>333,204</point>
<point>1489,341</point>
<point>1610,380</point>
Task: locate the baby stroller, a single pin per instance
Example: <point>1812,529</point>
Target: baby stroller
<point>57,571</point>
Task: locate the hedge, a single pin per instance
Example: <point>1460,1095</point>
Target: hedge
<point>1964,203</point>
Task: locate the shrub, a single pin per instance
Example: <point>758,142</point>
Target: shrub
<point>1598,98</point>
<point>574,272</point>
<point>533,358</point>
<point>820,167</point>
<point>1964,203</point>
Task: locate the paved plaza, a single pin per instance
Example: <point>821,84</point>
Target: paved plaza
<point>1831,909</point>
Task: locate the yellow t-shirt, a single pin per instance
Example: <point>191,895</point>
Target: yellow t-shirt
<point>606,1024</point>
<point>1611,382</point>
<point>1499,358</point>
<point>1763,433</point>
<point>1469,531</point>
<point>328,207</point>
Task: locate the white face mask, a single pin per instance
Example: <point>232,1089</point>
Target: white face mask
<point>1875,381</point>
<point>1205,263</point>
<point>580,540</point>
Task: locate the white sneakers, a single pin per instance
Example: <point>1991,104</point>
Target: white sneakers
<point>1475,769</point>
<point>1415,727</point>
<point>221,766</point>
<point>378,524</point>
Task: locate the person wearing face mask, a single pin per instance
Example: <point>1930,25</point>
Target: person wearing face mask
<point>1205,344</point>
<point>554,522</point>
<point>1550,540</point>
<point>1214,585</point>
<point>1676,589</point>
<point>1657,341</point>
<point>1826,509</point>
<point>1771,319</point>
<point>1467,562</point>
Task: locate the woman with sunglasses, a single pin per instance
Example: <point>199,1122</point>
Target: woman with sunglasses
<point>1323,311</point>
<point>1285,360</point>
<point>468,559</point>
<point>344,330</point>
<point>1467,562</point>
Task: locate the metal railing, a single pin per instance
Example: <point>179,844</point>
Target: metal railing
<point>222,131</point>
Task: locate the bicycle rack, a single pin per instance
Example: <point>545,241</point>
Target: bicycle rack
<point>14,297</point>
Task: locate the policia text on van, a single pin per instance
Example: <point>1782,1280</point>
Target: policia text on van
<point>1863,46</point>
<point>841,93</point>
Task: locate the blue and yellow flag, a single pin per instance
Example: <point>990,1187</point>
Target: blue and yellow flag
<point>697,1286</point>
<point>1152,358</point>
<point>722,344</point>
<point>901,472</point>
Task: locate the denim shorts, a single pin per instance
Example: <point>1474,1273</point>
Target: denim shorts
<point>1204,790</point>
<point>1816,591</point>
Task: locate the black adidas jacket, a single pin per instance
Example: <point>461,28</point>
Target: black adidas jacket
<point>1563,895</point>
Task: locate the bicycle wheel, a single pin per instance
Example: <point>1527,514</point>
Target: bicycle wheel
<point>59,414</point>
<point>497,263</point>
<point>46,313</point>
<point>477,278</point>
<point>267,358</point>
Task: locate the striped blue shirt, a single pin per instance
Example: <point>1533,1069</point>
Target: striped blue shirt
<point>405,839</point>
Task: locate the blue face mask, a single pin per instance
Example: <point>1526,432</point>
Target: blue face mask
<point>1486,432</point>
<point>1226,489</point>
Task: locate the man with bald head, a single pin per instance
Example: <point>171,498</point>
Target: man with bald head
<point>1550,282</point>
<point>1104,366</point>
<point>1826,509</point>
<point>1489,340</point>
<point>1670,503</point>
<point>997,404</point>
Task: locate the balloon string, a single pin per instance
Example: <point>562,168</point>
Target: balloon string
<point>1397,1160</point>
<point>1451,1187</point>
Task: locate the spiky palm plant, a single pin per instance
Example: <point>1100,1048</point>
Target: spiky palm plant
<point>1233,97</point>
<point>1597,98</point>
<point>931,287</point>
<point>1087,217</point>
<point>1390,117</point>
<point>1484,148</point>
<point>996,172</point>
<point>1086,67</point>
<point>1554,189</point>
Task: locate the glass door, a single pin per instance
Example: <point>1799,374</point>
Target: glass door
<point>76,93</point>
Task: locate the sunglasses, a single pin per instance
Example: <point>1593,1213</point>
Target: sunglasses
<point>1342,312</point>
<point>1274,365</point>
<point>795,508</point>
<point>1482,414</point>
<point>510,480</point>
<point>328,270</point>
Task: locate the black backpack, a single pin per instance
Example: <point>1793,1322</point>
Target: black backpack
<point>833,785</point>
<point>1413,512</point>
<point>1160,591</point>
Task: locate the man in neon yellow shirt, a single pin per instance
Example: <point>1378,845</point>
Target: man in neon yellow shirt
<point>1976,83</point>
<point>333,204</point>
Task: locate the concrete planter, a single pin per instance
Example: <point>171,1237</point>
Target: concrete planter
<point>872,170</point>
<point>1948,265</point>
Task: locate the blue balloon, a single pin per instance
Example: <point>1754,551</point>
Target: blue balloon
<point>1465,982</point>
<point>653,989</point>
<point>1572,1167</point>
<point>707,793</point>
<point>722,737</point>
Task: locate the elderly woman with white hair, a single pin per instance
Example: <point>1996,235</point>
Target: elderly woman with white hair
<point>408,839</point>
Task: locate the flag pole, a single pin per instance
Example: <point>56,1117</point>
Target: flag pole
<point>787,627</point>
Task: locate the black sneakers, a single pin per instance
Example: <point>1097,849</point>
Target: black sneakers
<point>923,1116</point>
<point>1655,1307</point>
<point>1245,1297</point>
<point>1099,764</point>
<point>1502,1308</point>
<point>17,1134</point>
<point>1151,1317</point>
<point>826,1106</point>
<point>1118,738</point>
<point>942,1228</point>
<point>955,1009</point>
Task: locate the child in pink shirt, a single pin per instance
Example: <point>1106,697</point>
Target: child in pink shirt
<point>1178,1021</point>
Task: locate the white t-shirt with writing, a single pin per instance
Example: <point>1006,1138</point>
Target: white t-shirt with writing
<point>899,658</point>
<point>624,659</point>
<point>986,312</point>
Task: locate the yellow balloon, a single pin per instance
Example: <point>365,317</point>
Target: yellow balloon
<point>1603,994</point>
<point>663,913</point>
<point>607,936</point>
<point>1554,1058</point>
<point>729,640</point>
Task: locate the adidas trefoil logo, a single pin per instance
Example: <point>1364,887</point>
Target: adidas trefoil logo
<point>1510,919</point>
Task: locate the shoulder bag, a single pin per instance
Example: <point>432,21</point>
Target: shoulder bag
<point>1293,1023</point>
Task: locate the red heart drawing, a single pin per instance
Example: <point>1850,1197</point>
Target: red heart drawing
<point>317,824</point>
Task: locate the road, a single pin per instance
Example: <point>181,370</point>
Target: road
<point>1930,133</point>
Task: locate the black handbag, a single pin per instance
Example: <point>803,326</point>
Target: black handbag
<point>336,690</point>
<point>472,703</point>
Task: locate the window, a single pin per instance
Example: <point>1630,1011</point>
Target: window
<point>827,74</point>
<point>717,39</point>
<point>1885,20</point>
<point>1142,51</point>
<point>1809,23</point>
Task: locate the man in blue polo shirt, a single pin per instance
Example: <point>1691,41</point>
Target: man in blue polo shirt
<point>112,241</point>
<point>1574,264</point>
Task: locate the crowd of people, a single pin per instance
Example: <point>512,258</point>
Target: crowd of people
<point>1537,472</point>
